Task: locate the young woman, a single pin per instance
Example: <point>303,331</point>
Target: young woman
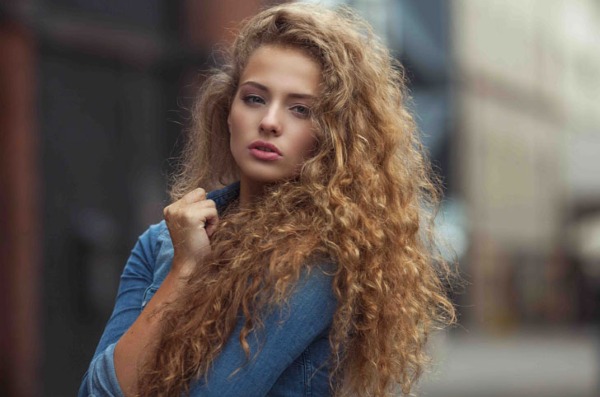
<point>310,272</point>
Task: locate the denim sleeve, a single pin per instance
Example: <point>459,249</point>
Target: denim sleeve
<point>286,334</point>
<point>100,378</point>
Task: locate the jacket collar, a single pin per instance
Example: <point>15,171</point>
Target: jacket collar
<point>225,196</point>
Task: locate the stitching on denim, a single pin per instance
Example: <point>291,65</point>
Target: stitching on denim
<point>308,369</point>
<point>147,292</point>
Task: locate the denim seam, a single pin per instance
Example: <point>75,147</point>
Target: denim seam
<point>307,372</point>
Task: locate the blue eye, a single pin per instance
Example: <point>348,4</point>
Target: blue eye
<point>303,111</point>
<point>252,99</point>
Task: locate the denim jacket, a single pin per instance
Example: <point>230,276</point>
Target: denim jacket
<point>287,358</point>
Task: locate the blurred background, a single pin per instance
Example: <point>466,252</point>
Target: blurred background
<point>93,99</point>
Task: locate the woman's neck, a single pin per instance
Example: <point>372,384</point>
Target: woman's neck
<point>249,191</point>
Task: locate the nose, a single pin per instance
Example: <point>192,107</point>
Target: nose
<point>271,122</point>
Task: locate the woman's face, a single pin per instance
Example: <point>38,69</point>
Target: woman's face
<point>270,125</point>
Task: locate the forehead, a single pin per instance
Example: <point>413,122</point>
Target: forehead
<point>283,68</point>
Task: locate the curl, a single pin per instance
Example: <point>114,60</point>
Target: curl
<point>363,201</point>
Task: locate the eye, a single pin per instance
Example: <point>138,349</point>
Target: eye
<point>301,110</point>
<point>253,99</point>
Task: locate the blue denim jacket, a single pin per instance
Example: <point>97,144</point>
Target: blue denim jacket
<point>288,358</point>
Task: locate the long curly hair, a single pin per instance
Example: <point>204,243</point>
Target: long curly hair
<point>365,201</point>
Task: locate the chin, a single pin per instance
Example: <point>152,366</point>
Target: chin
<point>265,180</point>
<point>264,177</point>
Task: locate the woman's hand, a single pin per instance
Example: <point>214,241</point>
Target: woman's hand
<point>191,221</point>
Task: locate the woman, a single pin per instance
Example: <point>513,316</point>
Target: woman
<point>311,271</point>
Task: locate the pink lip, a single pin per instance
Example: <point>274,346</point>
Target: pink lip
<point>264,150</point>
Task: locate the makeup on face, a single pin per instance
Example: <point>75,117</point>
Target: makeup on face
<point>271,130</point>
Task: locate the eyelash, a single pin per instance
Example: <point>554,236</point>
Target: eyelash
<point>252,99</point>
<point>300,110</point>
<point>304,112</point>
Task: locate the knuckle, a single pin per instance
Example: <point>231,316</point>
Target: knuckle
<point>184,215</point>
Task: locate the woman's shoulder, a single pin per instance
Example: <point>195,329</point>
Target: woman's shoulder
<point>154,236</point>
<point>151,258</point>
<point>146,253</point>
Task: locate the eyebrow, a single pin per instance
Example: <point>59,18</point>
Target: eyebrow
<point>264,88</point>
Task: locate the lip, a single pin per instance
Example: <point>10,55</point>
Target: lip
<point>257,150</point>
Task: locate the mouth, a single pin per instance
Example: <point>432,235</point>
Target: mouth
<point>264,151</point>
<point>264,147</point>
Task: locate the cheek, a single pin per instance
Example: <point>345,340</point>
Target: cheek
<point>310,140</point>
<point>232,119</point>
<point>233,122</point>
<point>235,119</point>
<point>307,146</point>
<point>234,143</point>
<point>233,136</point>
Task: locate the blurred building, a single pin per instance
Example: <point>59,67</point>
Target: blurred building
<point>527,89</point>
<point>506,96</point>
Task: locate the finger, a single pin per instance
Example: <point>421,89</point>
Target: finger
<point>168,211</point>
<point>194,216</point>
<point>195,195</point>
<point>180,209</point>
<point>211,224</point>
<point>206,204</point>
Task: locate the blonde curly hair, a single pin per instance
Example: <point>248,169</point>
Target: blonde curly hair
<point>364,201</point>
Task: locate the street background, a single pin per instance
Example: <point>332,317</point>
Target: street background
<point>93,102</point>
